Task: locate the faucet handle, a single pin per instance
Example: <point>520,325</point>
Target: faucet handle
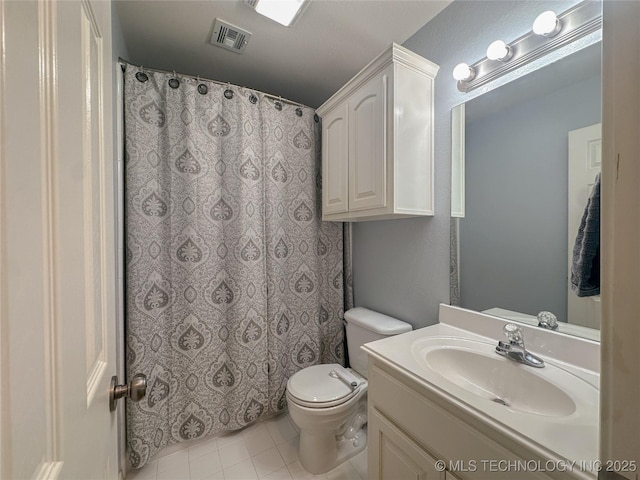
<point>547,320</point>
<point>514,333</point>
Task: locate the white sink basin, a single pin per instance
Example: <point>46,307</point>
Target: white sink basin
<point>475,367</point>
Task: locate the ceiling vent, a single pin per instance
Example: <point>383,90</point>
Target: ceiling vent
<point>229,36</point>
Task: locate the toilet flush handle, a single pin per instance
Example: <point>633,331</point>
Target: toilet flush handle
<point>345,376</point>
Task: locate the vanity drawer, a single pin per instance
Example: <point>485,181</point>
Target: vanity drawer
<point>468,453</point>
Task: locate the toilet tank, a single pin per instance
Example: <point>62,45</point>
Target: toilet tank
<point>364,326</point>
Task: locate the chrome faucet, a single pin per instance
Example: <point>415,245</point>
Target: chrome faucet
<point>514,348</point>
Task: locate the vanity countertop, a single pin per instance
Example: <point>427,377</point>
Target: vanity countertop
<point>563,438</point>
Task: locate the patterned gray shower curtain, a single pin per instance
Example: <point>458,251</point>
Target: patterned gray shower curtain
<point>233,283</point>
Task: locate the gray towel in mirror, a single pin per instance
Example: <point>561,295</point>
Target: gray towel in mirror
<point>585,267</point>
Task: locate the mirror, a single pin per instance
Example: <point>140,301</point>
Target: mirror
<point>531,151</point>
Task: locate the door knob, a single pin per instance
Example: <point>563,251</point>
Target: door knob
<point>135,389</point>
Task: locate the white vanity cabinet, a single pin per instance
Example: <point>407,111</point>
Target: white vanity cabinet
<point>377,141</point>
<point>410,430</point>
<point>395,454</point>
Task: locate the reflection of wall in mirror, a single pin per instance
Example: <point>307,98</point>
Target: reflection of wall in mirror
<point>513,239</point>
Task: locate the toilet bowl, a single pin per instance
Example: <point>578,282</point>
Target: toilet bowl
<point>326,410</point>
<point>329,402</point>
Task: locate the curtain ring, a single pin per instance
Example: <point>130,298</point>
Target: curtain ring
<point>228,93</point>
<point>253,99</point>
<point>316,118</point>
<point>202,88</point>
<point>174,82</point>
<point>299,111</point>
<point>141,76</point>
<point>278,104</point>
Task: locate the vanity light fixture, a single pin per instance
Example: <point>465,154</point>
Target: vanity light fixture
<point>550,32</point>
<point>500,51</point>
<point>285,12</point>
<point>547,24</point>
<point>463,72</point>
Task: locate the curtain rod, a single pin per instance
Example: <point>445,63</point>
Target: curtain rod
<point>123,63</point>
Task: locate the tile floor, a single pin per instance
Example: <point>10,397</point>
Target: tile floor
<point>266,450</point>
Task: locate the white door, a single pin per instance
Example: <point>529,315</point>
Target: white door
<point>57,284</point>
<point>585,160</point>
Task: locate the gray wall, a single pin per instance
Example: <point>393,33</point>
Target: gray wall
<point>401,267</point>
<point>118,43</point>
<point>513,239</point>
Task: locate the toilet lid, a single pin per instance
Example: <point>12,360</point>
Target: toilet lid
<point>313,385</point>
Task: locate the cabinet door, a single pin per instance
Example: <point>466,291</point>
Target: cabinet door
<point>335,151</point>
<point>393,455</point>
<point>368,144</point>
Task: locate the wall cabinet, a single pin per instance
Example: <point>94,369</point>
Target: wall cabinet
<point>377,141</point>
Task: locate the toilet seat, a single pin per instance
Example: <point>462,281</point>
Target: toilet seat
<point>313,387</point>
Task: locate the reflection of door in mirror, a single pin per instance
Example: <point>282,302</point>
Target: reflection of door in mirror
<point>585,160</point>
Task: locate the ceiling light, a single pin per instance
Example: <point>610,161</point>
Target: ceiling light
<point>281,11</point>
<point>463,72</point>
<point>499,50</point>
<point>547,24</point>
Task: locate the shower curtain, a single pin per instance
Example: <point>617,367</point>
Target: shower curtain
<point>233,282</point>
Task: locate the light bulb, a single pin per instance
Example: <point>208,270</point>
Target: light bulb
<point>547,24</point>
<point>463,72</point>
<point>499,50</point>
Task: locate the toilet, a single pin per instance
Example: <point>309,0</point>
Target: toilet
<point>328,402</point>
